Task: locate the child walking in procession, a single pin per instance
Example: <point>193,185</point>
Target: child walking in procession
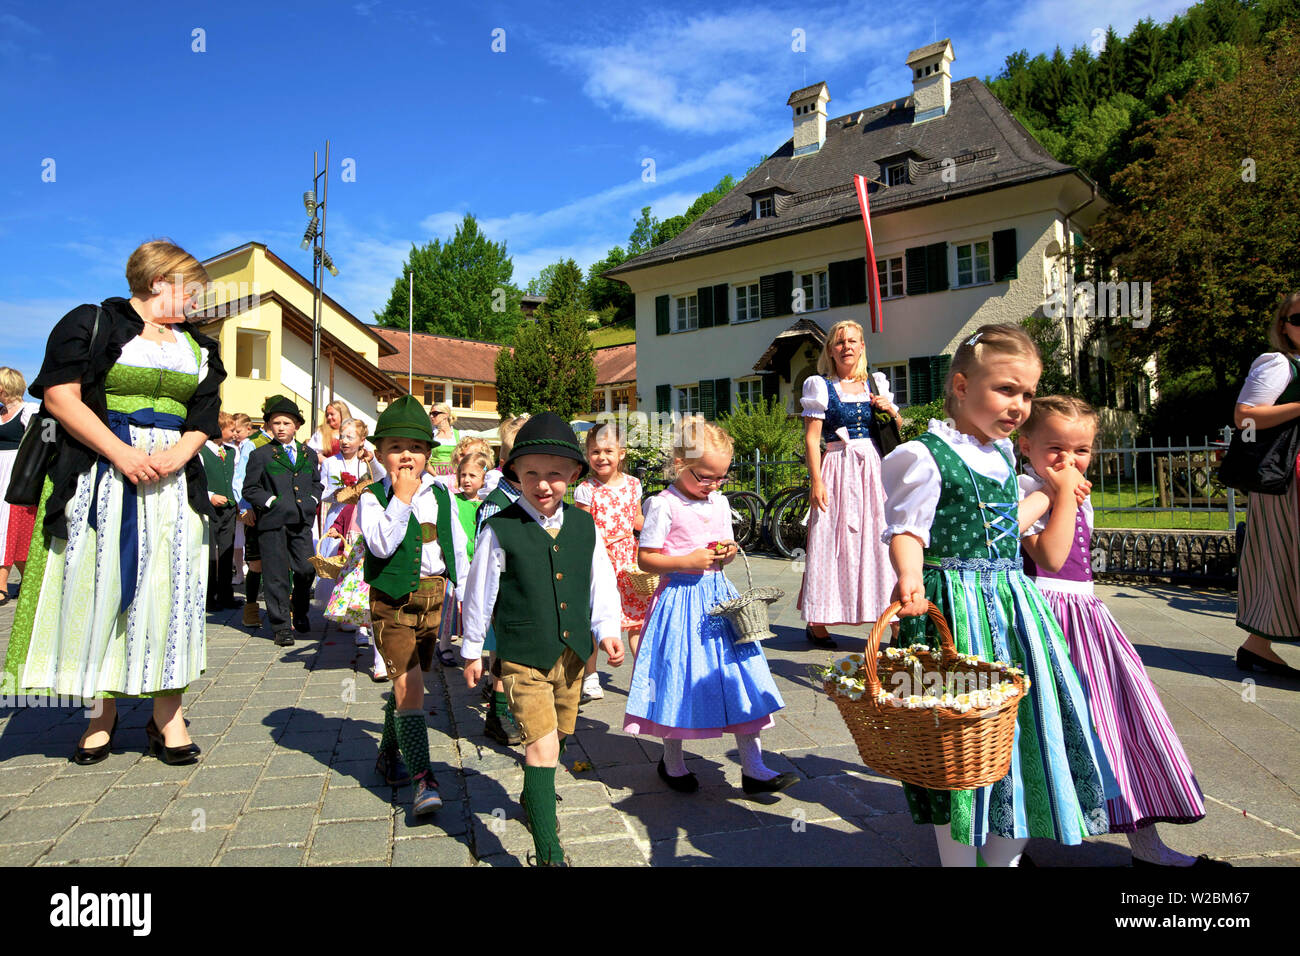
<point>470,470</point>
<point>541,574</point>
<point>343,475</point>
<point>951,507</point>
<point>248,517</point>
<point>692,680</point>
<point>406,520</point>
<point>219,469</point>
<point>614,501</point>
<point>243,428</point>
<point>1155,778</point>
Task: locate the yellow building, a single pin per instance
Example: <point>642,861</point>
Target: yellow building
<point>260,309</point>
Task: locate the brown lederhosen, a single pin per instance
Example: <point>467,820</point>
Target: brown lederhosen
<point>406,629</point>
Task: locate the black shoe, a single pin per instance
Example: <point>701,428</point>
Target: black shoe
<point>563,861</point>
<point>1026,862</point>
<point>823,643</point>
<point>85,756</point>
<point>232,602</point>
<point>1249,660</point>
<point>1203,862</point>
<point>284,638</point>
<point>392,768</point>
<point>301,624</point>
<point>778,783</point>
<point>213,605</point>
<point>687,784</point>
<point>186,753</point>
<point>502,731</point>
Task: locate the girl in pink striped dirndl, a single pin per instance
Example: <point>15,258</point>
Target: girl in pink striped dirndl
<point>1155,777</point>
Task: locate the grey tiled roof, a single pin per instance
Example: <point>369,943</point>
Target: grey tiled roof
<point>806,93</point>
<point>928,50</point>
<point>989,147</point>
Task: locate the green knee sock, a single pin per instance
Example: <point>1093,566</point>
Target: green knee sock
<point>500,706</point>
<point>413,740</point>
<point>539,798</point>
<point>388,741</point>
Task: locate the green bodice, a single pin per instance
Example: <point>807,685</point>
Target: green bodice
<point>130,388</point>
<point>976,516</point>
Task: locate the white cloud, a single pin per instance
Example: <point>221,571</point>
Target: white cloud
<point>27,324</point>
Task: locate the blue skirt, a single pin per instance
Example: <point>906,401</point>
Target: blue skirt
<point>691,678</point>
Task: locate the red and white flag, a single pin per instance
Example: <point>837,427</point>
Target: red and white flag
<point>873,278</point>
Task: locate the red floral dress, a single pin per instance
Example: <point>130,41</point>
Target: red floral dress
<point>615,510</point>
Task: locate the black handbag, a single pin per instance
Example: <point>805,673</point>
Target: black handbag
<point>36,448</point>
<point>1266,462</point>
<point>884,429</point>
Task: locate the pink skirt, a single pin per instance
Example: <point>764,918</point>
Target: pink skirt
<point>847,576</point>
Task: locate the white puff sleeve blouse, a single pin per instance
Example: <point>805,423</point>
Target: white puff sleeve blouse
<point>1268,378</point>
<point>815,397</point>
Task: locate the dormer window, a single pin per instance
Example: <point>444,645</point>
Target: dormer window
<point>896,175</point>
<point>764,208</point>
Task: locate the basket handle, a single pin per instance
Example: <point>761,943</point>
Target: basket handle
<point>948,651</point>
<point>749,577</point>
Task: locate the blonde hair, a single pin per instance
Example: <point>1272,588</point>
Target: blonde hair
<point>826,362</point>
<point>696,437</point>
<point>988,342</point>
<point>1069,407</point>
<point>1277,336</point>
<point>241,419</point>
<point>469,445</point>
<point>507,432</point>
<point>446,410</point>
<point>223,418</point>
<point>481,458</point>
<point>162,258</point>
<point>358,425</point>
<point>12,383</point>
<point>328,434</point>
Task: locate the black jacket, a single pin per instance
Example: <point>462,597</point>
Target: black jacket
<point>296,488</point>
<point>69,357</point>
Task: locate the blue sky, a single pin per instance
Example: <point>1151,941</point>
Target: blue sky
<point>545,142</point>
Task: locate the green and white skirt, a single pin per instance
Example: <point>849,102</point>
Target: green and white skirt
<point>68,638</point>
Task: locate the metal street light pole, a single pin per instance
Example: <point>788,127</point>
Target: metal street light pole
<point>318,275</point>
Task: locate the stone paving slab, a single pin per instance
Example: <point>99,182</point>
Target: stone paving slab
<point>289,736</point>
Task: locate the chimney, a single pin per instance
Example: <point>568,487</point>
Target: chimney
<point>931,80</point>
<point>809,105</point>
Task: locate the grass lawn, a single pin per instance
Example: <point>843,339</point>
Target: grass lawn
<point>1145,497</point>
<point>620,333</point>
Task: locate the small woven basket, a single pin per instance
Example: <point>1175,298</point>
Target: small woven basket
<point>328,567</point>
<point>939,747</point>
<point>748,613</point>
<point>347,495</point>
<point>643,582</point>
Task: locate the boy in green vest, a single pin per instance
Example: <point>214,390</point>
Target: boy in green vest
<point>410,529</point>
<point>541,576</point>
<point>218,460</point>
<point>247,517</point>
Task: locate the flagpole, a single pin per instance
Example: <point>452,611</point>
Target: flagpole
<point>410,332</point>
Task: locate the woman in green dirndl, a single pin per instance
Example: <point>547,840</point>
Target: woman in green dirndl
<point>112,603</point>
<point>951,509</point>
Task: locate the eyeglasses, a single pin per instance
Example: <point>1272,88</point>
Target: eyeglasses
<point>714,482</point>
<point>1293,320</point>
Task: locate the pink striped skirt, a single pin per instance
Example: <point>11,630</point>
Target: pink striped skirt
<point>847,576</point>
<point>1154,775</point>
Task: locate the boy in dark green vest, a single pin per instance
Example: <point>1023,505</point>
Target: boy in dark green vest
<point>248,518</point>
<point>541,576</point>
<point>218,460</point>
<point>407,523</point>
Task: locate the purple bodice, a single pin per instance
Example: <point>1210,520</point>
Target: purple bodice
<point>1078,565</point>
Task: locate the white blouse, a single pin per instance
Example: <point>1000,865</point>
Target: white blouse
<point>385,528</point>
<point>815,397</point>
<point>174,356</point>
<point>912,484</point>
<point>335,466</point>
<point>1268,378</point>
<point>1029,482</point>
<point>659,515</point>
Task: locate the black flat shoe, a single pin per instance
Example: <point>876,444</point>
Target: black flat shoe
<point>825,643</point>
<point>85,756</point>
<point>231,603</point>
<point>1249,660</point>
<point>186,753</point>
<point>301,625</point>
<point>284,638</point>
<point>1202,862</point>
<point>775,785</point>
<point>687,784</point>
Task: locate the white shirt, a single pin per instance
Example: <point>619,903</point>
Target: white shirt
<point>911,478</point>
<point>1029,482</point>
<point>659,515</point>
<point>1268,378</point>
<point>479,596</point>
<point>246,449</point>
<point>815,396</point>
<point>385,528</point>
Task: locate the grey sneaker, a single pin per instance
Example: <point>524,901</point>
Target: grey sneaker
<point>426,794</point>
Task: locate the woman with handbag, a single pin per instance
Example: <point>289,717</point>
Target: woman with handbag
<point>113,603</point>
<point>16,521</point>
<point>1268,577</point>
<point>847,576</point>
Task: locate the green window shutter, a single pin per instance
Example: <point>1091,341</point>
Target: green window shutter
<point>661,315</point>
<point>707,408</point>
<point>1080,266</point>
<point>663,398</point>
<point>767,296</point>
<point>784,293</point>
<point>771,386</point>
<point>704,297</point>
<point>939,365</point>
<point>837,274</point>
<point>936,266</point>
<point>918,379</point>
<point>1084,369</point>
<point>722,394</point>
<point>916,273</point>
<point>1005,259</point>
<point>721,304</point>
<point>857,280</point>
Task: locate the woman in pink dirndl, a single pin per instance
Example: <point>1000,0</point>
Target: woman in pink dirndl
<point>847,575</point>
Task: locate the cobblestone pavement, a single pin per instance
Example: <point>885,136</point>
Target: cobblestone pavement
<point>289,737</point>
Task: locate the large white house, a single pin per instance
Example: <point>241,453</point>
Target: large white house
<point>970,220</point>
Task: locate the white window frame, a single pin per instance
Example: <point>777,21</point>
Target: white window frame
<point>691,305</point>
<point>974,268</point>
<point>752,385</point>
<point>820,284</point>
<point>682,398</point>
<point>885,269</point>
<point>753,301</point>
<point>762,203</point>
<point>891,370</point>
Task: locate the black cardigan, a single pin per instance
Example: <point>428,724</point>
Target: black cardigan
<point>69,357</point>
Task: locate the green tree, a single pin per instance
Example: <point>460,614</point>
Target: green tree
<point>566,288</point>
<point>1046,334</point>
<point>550,368</point>
<point>463,288</point>
<point>539,283</point>
<point>605,293</point>
<point>643,233</point>
<point>764,426</point>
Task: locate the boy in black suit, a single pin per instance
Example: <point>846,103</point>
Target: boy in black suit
<point>283,485</point>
